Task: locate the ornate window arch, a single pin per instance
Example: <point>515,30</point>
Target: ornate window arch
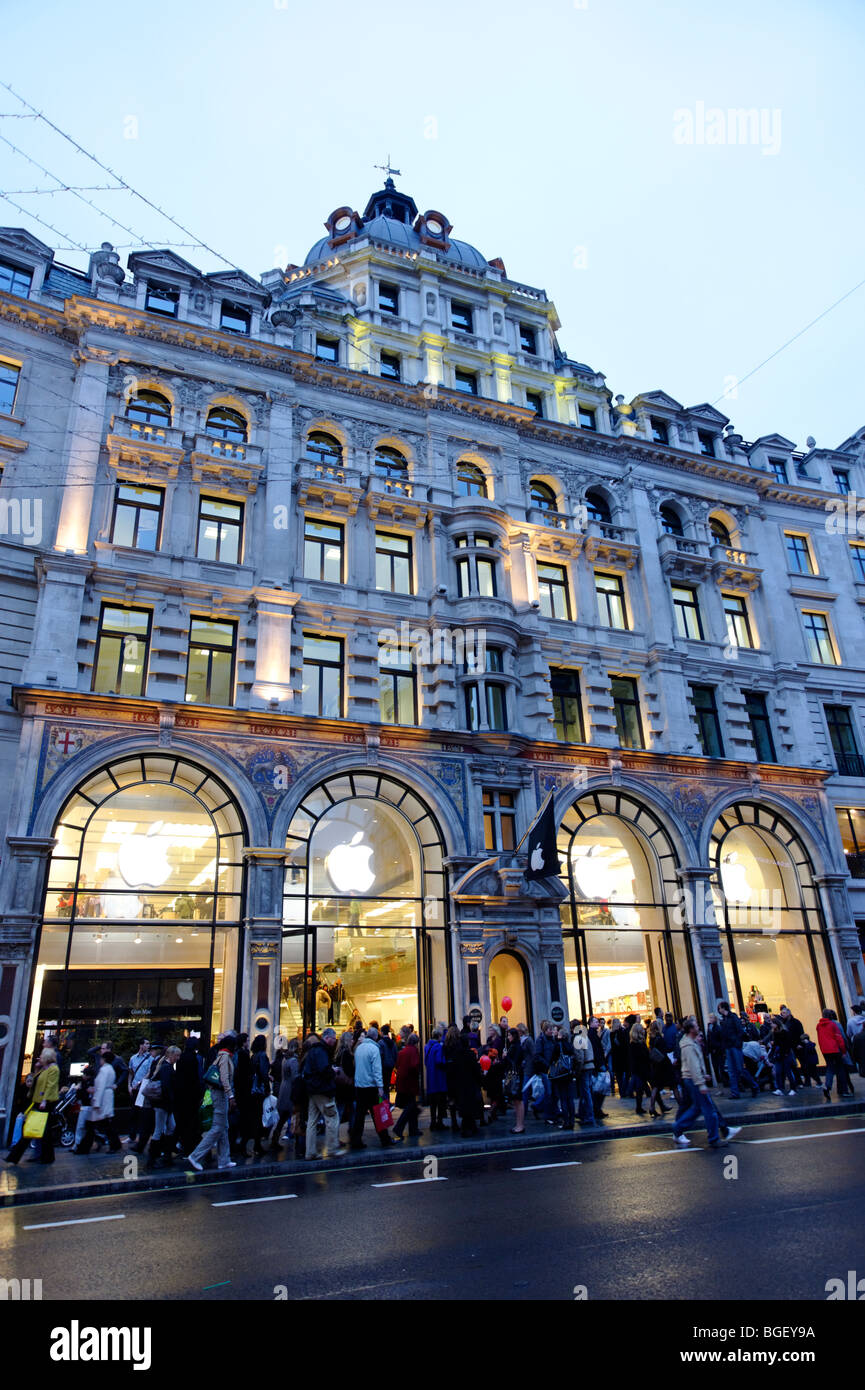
<point>228,423</point>
<point>325,449</point>
<point>148,407</point>
<point>671,519</point>
<point>471,479</point>
<point>598,506</point>
<point>542,495</point>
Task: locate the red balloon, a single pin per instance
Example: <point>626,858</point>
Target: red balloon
<point>507,1003</point>
<point>486,1063</point>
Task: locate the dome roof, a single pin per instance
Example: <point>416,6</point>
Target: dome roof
<point>399,232</point>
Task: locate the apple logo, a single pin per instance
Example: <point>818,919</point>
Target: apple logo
<point>349,868</point>
<point>142,859</point>
<point>734,879</point>
<point>185,989</point>
<point>537,860</point>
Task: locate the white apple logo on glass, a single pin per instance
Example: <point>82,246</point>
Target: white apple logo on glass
<point>349,867</point>
<point>185,989</point>
<point>142,859</point>
<point>734,879</point>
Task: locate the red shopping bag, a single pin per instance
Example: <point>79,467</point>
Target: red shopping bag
<point>382,1116</point>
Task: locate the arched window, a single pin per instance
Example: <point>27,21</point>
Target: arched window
<point>597,506</point>
<point>671,521</point>
<point>624,951</point>
<point>470,480</point>
<point>542,496</point>
<point>768,910</point>
<point>324,449</point>
<point>224,423</point>
<point>364,908</point>
<point>149,408</point>
<point>392,466</point>
<point>719,531</point>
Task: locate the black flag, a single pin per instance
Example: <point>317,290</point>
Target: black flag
<point>543,856</point>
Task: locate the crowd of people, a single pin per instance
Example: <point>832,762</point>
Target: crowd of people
<point>185,1104</point>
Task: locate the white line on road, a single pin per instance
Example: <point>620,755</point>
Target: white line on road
<point>533,1167</point>
<point>788,1138</point>
<point>663,1153</point>
<point>80,1221</point>
<point>406,1182</point>
<point>246,1201</point>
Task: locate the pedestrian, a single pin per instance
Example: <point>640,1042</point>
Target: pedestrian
<point>259,1090</point>
<point>102,1107</point>
<point>715,1044</point>
<point>44,1096</point>
<point>562,1078</point>
<point>781,1057</point>
<point>584,1073</point>
<point>408,1088</point>
<point>806,1054</point>
<point>160,1091</point>
<point>219,1078</point>
<point>601,1079</point>
<point>464,1082</point>
<point>320,1084</point>
<point>436,1080</point>
<point>833,1045</point>
<point>368,1087</point>
<point>619,1044</point>
<point>285,1107</point>
<point>387,1048</point>
<point>138,1065</point>
<point>276,1064</point>
<point>343,1069</point>
<point>733,1035</point>
<point>695,1092</point>
<point>638,1061</point>
<point>240,1118</point>
<point>545,1044</point>
<point>512,1079</point>
<point>661,1073</point>
<point>188,1094</point>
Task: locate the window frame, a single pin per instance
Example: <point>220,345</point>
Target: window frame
<point>232,431</point>
<point>549,586</point>
<point>322,544</point>
<point>682,607</point>
<point>120,636</point>
<point>320,665</point>
<point>222,523</point>
<point>499,806</point>
<point>392,555</point>
<point>330,344</point>
<point>14,370</point>
<point>212,648</point>
<point>137,508</point>
<point>147,412</point>
<point>757,710</point>
<point>566,676</point>
<point>399,678</point>
<point>778,469</point>
<point>462,309</point>
<point>627,702</point>
<point>387,290</point>
<point>476,486</point>
<point>731,617</point>
<point>660,430</point>
<point>390,366</point>
<point>706,443</point>
<point>708,720</point>
<point>796,552</point>
<point>154,289</point>
<point>528,337</point>
<point>587,417</point>
<point>848,761</point>
<point>614,598</point>
<point>857,555</point>
<point>466,381</point>
<point>813,638</point>
<point>241,311</point>
<point>16,272</point>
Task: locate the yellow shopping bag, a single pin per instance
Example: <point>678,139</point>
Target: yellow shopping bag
<point>34,1124</point>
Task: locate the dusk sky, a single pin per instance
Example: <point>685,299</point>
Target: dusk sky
<point>581,142</point>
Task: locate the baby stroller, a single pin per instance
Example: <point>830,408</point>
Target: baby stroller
<point>65,1118</point>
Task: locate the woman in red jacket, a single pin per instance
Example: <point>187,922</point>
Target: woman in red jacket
<point>407,1087</point>
<point>833,1045</point>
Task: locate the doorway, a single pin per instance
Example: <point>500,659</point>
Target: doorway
<point>509,979</point>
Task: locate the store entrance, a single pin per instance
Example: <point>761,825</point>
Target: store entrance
<point>86,1007</point>
<point>508,979</point>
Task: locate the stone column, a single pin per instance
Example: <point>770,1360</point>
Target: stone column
<point>696,912</point>
<point>843,938</point>
<point>262,927</point>
<point>85,432</point>
<point>22,885</point>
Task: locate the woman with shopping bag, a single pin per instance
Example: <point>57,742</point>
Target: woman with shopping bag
<point>37,1117</point>
<point>102,1107</point>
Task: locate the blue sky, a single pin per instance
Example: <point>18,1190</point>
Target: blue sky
<point>545,133</point>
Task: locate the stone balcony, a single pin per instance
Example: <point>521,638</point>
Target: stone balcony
<point>330,485</point>
<point>611,544</point>
<point>146,453</point>
<point>684,558</point>
<point>226,461</point>
<point>735,569</point>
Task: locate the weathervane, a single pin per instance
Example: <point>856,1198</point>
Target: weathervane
<point>387,168</point>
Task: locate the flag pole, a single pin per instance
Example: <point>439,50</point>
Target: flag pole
<point>535,818</point>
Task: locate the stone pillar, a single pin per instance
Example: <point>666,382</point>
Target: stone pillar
<point>84,435</point>
<point>696,913</point>
<point>276,559</point>
<point>273,650</point>
<point>843,939</point>
<point>22,885</point>
<point>262,925</point>
<point>53,657</point>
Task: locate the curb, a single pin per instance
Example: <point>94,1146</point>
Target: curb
<point>378,1157</point>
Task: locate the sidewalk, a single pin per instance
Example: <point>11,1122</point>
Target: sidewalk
<point>104,1174</point>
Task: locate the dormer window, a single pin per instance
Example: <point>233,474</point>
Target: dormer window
<point>586,418</point>
<point>388,298</point>
<point>15,280</point>
<point>326,349</point>
<point>162,299</point>
<point>466,382</point>
<point>528,340</point>
<point>462,317</point>
<point>842,480</point>
<point>535,402</point>
<point>671,521</point>
<point>389,365</point>
<point>470,480</point>
<point>149,408</point>
<point>706,441</point>
<point>660,433</point>
<point>779,469</point>
<point>223,423</point>
<point>234,318</point>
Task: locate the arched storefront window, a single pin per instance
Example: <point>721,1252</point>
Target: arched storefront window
<point>769,916</point>
<point>364,912</point>
<point>140,926</point>
<point>625,950</point>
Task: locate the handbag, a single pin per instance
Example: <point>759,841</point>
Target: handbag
<point>382,1116</point>
<point>561,1068</point>
<point>212,1077</point>
<point>34,1124</point>
<point>657,1056</point>
<point>511,1087</point>
<point>601,1083</point>
<point>152,1090</point>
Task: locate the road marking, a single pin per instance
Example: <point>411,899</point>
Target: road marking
<point>245,1201</point>
<point>788,1138</point>
<point>81,1221</point>
<point>216,1286</point>
<point>533,1167</point>
<point>406,1182</point>
<point>664,1153</point>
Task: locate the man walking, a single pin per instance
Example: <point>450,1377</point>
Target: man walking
<point>320,1081</point>
<point>733,1037</point>
<point>138,1065</point>
<point>695,1092</point>
<point>368,1087</point>
<point>219,1077</point>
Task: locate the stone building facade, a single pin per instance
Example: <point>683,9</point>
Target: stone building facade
<point>316,585</point>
